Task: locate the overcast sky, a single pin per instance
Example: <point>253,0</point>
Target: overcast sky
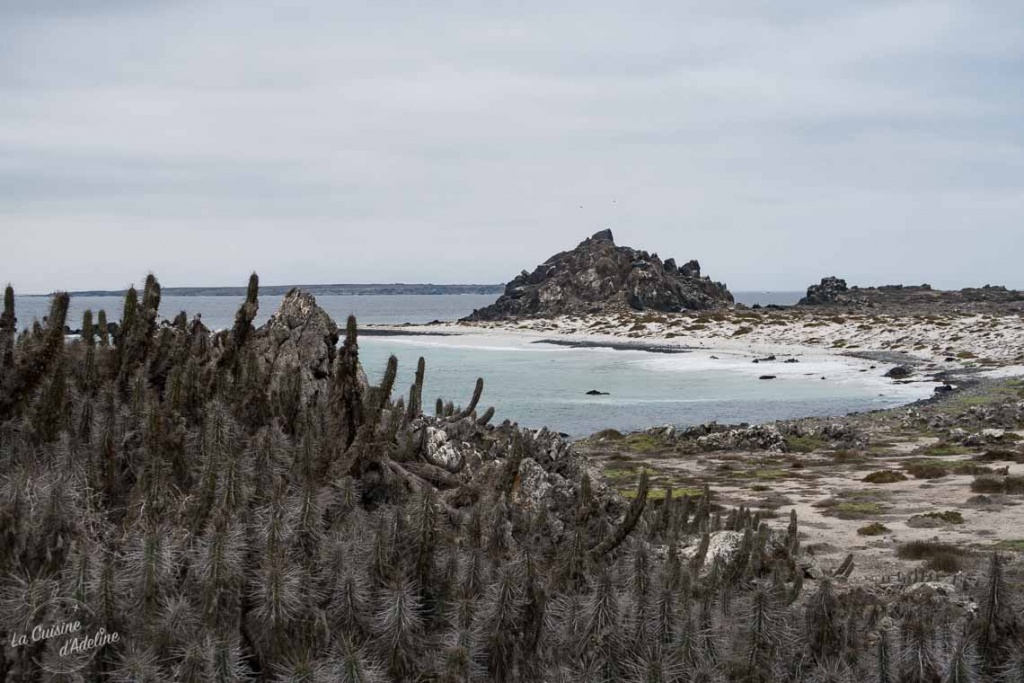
<point>454,141</point>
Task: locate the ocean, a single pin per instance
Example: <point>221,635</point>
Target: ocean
<point>545,385</point>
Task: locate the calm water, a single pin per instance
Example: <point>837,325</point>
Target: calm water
<point>219,311</point>
<point>537,384</point>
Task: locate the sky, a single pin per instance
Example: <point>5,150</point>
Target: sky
<point>775,141</point>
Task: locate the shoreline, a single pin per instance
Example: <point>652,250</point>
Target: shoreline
<point>955,345</point>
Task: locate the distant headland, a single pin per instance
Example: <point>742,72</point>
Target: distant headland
<point>397,288</point>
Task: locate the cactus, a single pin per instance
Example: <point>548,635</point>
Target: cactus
<point>415,407</point>
<point>247,311</point>
<point>34,363</point>
<point>346,399</point>
<point>101,323</point>
<point>478,390</point>
<point>625,528</point>
<point>8,328</point>
<point>484,419</point>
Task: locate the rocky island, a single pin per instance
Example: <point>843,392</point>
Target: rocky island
<point>600,277</point>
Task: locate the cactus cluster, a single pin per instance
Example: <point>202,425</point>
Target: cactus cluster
<point>230,529</point>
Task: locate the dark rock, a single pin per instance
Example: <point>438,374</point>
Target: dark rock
<point>690,268</point>
<point>792,360</point>
<point>595,392</point>
<point>600,277</point>
<point>828,291</point>
<point>898,372</point>
<point>765,359</point>
<point>945,388</point>
<point>833,291</point>
<point>767,377</point>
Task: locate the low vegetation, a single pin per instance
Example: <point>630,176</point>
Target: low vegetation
<point>235,525</point>
<point>885,477</point>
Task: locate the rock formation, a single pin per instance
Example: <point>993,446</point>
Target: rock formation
<point>599,277</point>
<point>834,291</point>
<point>299,337</point>
<point>830,290</point>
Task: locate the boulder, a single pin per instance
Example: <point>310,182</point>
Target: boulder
<point>722,545</point>
<point>898,372</point>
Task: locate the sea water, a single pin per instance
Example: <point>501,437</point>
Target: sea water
<point>539,384</point>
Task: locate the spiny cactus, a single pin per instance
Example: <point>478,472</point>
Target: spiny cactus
<point>415,407</point>
<point>212,516</point>
<point>8,330</point>
<point>246,313</point>
<point>32,364</point>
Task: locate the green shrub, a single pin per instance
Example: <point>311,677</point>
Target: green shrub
<point>927,470</point>
<point>873,529</point>
<point>804,444</point>
<point>1013,485</point>
<point>946,517</point>
<point>885,477</point>
<point>940,557</point>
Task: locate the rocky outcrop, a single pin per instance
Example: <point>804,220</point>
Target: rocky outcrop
<point>600,277</point>
<point>755,438</point>
<point>834,291</point>
<point>459,453</point>
<point>830,290</point>
<point>300,337</point>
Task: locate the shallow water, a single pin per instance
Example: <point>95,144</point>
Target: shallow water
<point>542,384</point>
<point>538,384</point>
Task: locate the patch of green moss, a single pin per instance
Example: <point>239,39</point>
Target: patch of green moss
<point>947,516</point>
<point>1016,545</point>
<point>873,529</point>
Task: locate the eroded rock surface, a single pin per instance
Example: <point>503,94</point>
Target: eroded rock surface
<point>300,337</point>
<point>598,277</point>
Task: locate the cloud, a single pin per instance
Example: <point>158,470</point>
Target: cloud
<point>776,142</point>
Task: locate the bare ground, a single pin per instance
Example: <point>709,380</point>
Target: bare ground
<point>825,484</point>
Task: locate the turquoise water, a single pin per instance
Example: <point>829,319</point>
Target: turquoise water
<point>541,384</point>
<point>544,385</point>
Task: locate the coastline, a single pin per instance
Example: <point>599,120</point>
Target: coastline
<point>937,347</point>
<point>939,447</point>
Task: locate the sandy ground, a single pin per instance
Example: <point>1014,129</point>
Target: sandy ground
<point>938,342</point>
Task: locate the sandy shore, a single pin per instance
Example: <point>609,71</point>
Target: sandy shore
<point>935,345</point>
